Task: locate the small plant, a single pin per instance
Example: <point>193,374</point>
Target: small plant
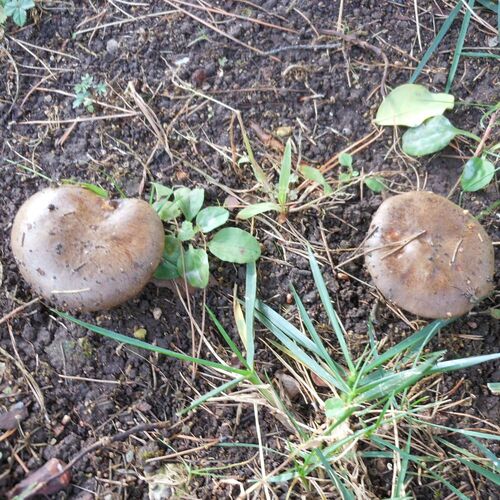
<point>229,244</point>
<point>280,194</point>
<point>86,91</point>
<point>345,160</point>
<point>415,107</point>
<point>15,9</point>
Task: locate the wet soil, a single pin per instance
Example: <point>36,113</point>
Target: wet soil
<point>92,387</point>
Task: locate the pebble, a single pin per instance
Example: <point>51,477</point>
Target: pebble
<point>112,46</point>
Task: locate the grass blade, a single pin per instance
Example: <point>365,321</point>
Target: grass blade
<point>418,339</point>
<point>272,320</point>
<point>462,363</point>
<point>337,370</point>
<point>452,488</point>
<point>332,315</point>
<point>285,172</point>
<point>488,474</point>
<point>124,339</point>
<point>435,43</point>
<point>459,45</point>
<point>339,483</point>
<point>250,296</point>
<point>227,338</point>
<point>211,394</point>
<point>400,485</point>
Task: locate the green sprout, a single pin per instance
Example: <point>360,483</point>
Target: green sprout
<point>15,9</point>
<point>86,91</point>
<point>182,256</point>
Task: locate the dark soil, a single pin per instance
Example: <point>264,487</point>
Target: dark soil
<point>328,98</point>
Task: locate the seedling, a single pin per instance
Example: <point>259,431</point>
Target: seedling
<point>414,106</point>
<point>86,91</point>
<point>15,9</point>
<point>345,160</point>
<point>280,194</point>
<point>229,244</point>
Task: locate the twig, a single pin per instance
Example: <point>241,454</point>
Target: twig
<point>17,310</point>
<point>320,46</point>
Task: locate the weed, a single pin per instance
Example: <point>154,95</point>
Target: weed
<point>229,244</point>
<point>15,9</point>
<point>414,106</point>
<point>86,91</point>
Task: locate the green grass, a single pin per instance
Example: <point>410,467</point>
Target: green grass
<point>376,404</point>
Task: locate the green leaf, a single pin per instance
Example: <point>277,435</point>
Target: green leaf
<point>285,171</point>
<point>232,244</point>
<point>193,264</point>
<point>433,135</point>
<point>190,201</point>
<point>313,174</point>
<point>335,408</point>
<point>186,231</point>
<point>494,477</point>
<point>462,363</point>
<point>167,270</point>
<point>257,209</point>
<point>161,191</point>
<point>17,9</point>
<point>3,15</point>
<point>211,218</point>
<point>477,174</point>
<point>345,159</point>
<point>167,210</point>
<point>410,105</point>
<point>494,387</point>
<point>250,298</point>
<point>375,184</point>
<point>100,88</point>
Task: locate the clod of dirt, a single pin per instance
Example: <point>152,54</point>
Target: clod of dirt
<point>48,474</point>
<point>428,255</point>
<point>83,252</point>
<point>10,419</point>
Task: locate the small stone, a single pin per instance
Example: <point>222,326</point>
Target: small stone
<point>112,46</point>
<point>157,313</point>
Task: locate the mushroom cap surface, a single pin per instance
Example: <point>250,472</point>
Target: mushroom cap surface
<point>83,252</point>
<point>428,255</point>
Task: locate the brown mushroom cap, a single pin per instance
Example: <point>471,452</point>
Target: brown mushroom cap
<point>428,255</point>
<point>83,252</point>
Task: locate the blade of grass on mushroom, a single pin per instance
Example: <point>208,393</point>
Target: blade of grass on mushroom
<point>459,45</point>
<point>124,339</point>
<point>435,43</point>
<point>332,315</point>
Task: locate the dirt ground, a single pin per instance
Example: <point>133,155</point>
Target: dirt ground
<point>90,387</point>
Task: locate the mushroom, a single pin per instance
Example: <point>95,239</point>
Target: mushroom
<point>428,255</point>
<point>83,252</point>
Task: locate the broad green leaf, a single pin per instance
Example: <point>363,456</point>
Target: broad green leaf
<point>18,9</point>
<point>345,159</point>
<point>210,218</point>
<point>477,174</point>
<point>411,104</point>
<point>313,174</point>
<point>193,264</point>
<point>186,231</point>
<point>167,270</point>
<point>232,244</point>
<point>375,184</point>
<point>190,201</point>
<point>433,135</point>
<point>167,210</point>
<point>257,209</point>
<point>161,191</point>
<point>285,171</point>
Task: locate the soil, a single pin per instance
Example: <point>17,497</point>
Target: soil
<point>91,386</point>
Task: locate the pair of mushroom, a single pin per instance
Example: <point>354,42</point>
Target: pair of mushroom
<point>83,252</point>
